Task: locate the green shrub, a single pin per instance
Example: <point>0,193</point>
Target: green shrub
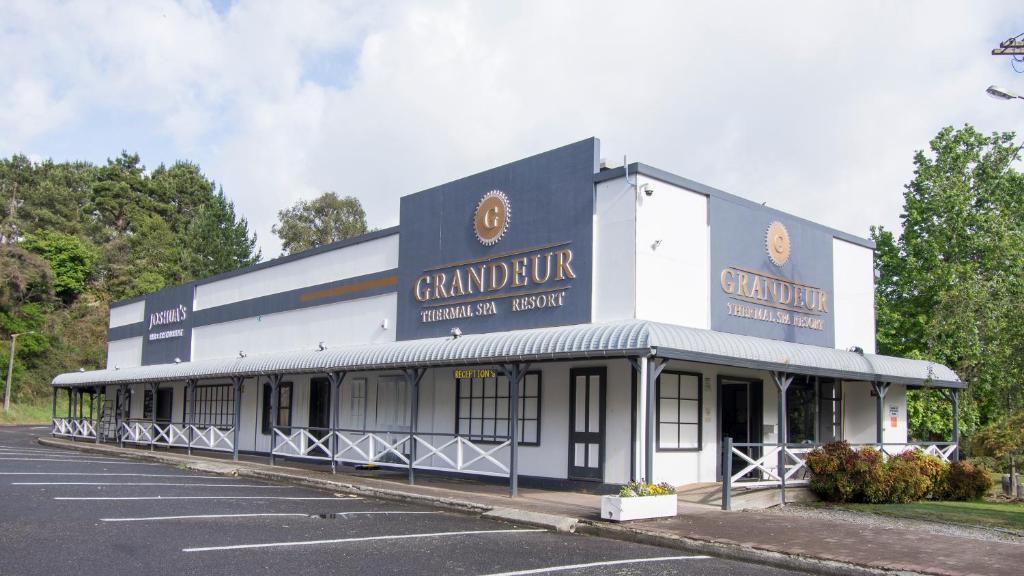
<point>906,477</point>
<point>840,474</point>
<point>634,489</point>
<point>967,481</point>
<point>831,467</point>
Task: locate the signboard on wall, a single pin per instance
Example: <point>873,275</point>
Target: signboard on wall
<point>771,274</point>
<point>505,249</point>
<point>168,326</point>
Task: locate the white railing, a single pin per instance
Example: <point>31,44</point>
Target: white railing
<point>170,434</point>
<point>442,452</point>
<point>74,427</point>
<point>211,437</point>
<point>456,453</point>
<point>137,432</point>
<point>377,447</point>
<point>302,443</point>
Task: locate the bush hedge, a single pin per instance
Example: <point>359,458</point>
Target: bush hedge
<point>842,474</point>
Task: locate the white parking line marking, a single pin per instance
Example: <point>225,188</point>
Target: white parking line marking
<point>208,516</point>
<point>145,484</point>
<point>200,517</point>
<point>110,474</point>
<point>360,539</point>
<point>336,499</point>
<point>80,461</point>
<point>596,564</point>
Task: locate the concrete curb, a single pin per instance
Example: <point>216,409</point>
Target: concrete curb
<point>511,515</point>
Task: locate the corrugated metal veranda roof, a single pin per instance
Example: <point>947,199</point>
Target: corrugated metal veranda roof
<point>629,338</point>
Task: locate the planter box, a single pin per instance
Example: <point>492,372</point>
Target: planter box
<point>617,508</point>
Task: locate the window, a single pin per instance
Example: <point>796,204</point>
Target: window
<point>679,406</point>
<point>482,411</point>
<point>164,403</point>
<point>284,403</point>
<point>214,406</point>
<point>355,404</point>
<point>801,410</point>
<point>392,403</point>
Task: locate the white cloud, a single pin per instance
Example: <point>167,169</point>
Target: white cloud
<point>815,108</point>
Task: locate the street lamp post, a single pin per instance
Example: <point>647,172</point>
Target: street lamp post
<point>10,371</point>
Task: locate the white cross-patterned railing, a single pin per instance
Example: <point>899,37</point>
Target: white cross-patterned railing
<point>61,427</point>
<point>137,432</point>
<point>377,447</point>
<point>211,437</point>
<point>303,443</point>
<point>170,434</point>
<point>459,454</point>
<point>74,427</point>
<point>443,452</point>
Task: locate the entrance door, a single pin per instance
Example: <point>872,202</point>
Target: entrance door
<point>739,407</point>
<point>586,423</point>
<point>319,411</point>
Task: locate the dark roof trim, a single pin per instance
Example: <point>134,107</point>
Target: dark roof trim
<point>375,235</point>
<point>651,171</point>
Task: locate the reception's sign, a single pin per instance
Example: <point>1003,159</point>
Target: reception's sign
<point>771,274</point>
<point>505,249</point>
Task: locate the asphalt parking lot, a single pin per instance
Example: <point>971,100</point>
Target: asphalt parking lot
<point>65,512</point>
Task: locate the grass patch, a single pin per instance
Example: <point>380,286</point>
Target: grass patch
<point>985,514</point>
<point>36,413</point>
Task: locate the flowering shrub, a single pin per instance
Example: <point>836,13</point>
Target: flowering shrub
<point>841,474</point>
<point>634,489</point>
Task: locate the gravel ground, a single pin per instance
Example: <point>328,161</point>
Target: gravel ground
<point>879,521</point>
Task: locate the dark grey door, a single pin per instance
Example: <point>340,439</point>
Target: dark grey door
<point>739,411</point>
<point>319,411</point>
<point>586,423</point>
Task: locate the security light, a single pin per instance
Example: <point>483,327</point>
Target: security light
<point>1002,93</point>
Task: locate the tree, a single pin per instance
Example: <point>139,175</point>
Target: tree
<point>326,219</point>
<point>950,286</point>
<point>1004,440</point>
<point>216,240</point>
<point>71,259</point>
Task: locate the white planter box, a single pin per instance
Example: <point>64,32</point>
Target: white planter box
<point>617,508</point>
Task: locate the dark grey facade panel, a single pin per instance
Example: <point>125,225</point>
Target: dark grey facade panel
<point>550,208</point>
<point>168,325</point>
<point>739,255</point>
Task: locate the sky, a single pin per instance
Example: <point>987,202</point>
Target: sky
<point>815,108</point>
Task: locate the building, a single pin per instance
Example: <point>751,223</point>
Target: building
<point>644,317</point>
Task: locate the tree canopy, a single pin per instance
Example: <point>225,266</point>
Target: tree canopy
<point>326,219</point>
<point>75,237</point>
<point>950,284</point>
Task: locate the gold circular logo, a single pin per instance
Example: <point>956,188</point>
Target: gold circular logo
<point>777,243</point>
<point>491,218</point>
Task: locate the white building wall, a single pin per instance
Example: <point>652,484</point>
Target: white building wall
<point>126,353</point>
<point>356,260</point>
<point>859,418</point>
<point>673,258</point>
<point>340,324</point>
<point>127,314</point>
<point>614,252</point>
<point>853,295</point>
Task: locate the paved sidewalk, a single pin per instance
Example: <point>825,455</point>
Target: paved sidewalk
<point>813,544</point>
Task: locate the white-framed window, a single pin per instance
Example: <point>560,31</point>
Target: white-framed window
<point>482,409</point>
<point>679,406</point>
